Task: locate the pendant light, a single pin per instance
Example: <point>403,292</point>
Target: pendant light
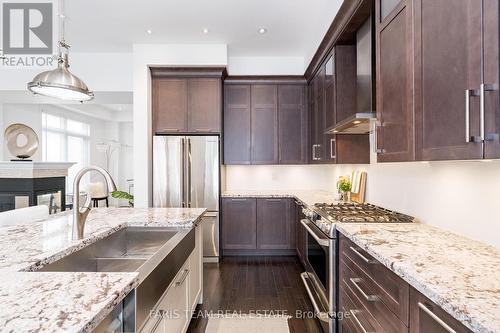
<point>60,82</point>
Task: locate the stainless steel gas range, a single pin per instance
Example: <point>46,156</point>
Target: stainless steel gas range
<point>321,275</point>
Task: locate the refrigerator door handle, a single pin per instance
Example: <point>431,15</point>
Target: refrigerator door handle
<point>183,176</point>
<point>189,170</point>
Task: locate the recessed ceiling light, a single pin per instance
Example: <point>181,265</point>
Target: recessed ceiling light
<point>262,31</point>
<point>149,31</point>
<point>206,31</point>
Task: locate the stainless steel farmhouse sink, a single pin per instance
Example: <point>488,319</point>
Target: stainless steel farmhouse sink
<point>123,251</point>
<point>156,253</point>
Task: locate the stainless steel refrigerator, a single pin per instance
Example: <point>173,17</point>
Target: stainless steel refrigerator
<point>186,172</point>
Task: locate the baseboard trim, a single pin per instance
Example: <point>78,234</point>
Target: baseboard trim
<point>235,253</point>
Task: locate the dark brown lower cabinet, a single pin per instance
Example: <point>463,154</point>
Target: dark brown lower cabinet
<point>273,224</point>
<point>427,317</point>
<point>374,298</point>
<point>258,226</point>
<point>239,223</point>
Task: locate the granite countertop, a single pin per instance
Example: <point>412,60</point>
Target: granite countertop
<point>307,197</point>
<point>69,302</point>
<point>459,274</point>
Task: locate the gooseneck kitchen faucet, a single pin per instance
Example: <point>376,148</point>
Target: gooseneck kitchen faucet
<point>80,214</point>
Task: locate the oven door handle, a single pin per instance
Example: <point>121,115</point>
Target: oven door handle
<point>323,316</point>
<point>321,241</point>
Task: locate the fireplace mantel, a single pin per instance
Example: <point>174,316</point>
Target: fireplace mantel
<point>32,170</point>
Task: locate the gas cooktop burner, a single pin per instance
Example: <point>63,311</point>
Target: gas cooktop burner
<point>362,213</point>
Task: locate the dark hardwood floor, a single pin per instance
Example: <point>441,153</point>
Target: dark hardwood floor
<point>249,285</point>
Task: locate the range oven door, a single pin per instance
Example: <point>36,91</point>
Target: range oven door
<point>319,279</point>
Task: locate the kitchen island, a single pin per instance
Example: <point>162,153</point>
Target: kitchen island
<point>35,301</point>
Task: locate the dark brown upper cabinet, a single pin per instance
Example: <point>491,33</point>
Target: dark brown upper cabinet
<point>395,128</point>
<point>448,73</point>
<point>186,100</point>
<point>204,105</point>
<point>292,124</point>
<point>265,121</point>
<point>491,74</point>
<point>317,115</point>
<point>237,124</point>
<point>274,224</point>
<point>438,78</point>
<point>264,124</point>
<point>170,105</point>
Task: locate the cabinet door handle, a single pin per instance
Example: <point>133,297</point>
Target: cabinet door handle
<point>314,152</point>
<point>358,322</point>
<point>483,88</point>
<point>332,148</point>
<point>436,318</point>
<point>236,199</point>
<point>171,129</point>
<point>369,298</point>
<point>468,94</point>
<point>183,278</point>
<point>365,259</point>
<point>203,130</point>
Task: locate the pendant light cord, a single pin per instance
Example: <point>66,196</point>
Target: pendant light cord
<point>62,28</point>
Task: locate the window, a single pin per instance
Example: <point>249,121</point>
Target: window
<point>66,140</point>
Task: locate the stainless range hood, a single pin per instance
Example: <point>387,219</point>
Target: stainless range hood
<point>359,123</point>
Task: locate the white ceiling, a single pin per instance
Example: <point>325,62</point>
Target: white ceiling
<point>295,27</point>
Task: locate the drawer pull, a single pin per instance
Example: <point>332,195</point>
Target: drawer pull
<point>183,278</point>
<point>365,259</point>
<point>369,298</point>
<point>203,130</point>
<point>273,199</point>
<point>236,199</point>
<point>171,129</point>
<point>353,314</point>
<point>436,318</point>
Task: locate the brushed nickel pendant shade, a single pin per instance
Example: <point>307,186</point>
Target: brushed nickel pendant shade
<point>60,82</point>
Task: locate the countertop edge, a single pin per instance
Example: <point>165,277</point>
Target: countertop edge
<point>99,317</point>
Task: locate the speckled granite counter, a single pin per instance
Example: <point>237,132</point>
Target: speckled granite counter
<point>307,197</point>
<point>459,274</point>
<point>68,302</point>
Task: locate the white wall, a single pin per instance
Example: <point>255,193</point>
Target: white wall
<point>126,137</point>
<point>265,66</point>
<point>146,56</point>
<point>100,71</point>
<point>460,196</point>
<point>276,177</point>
